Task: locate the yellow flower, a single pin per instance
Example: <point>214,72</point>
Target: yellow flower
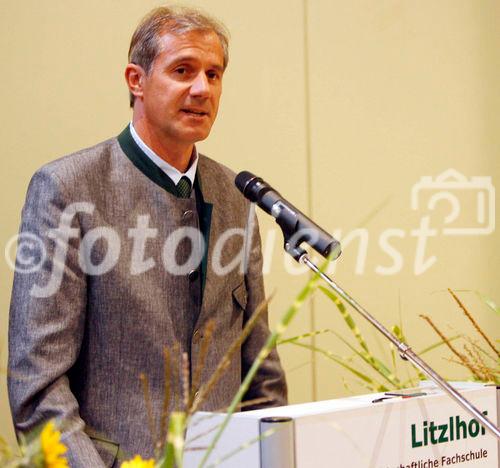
<point>138,462</point>
<point>52,447</point>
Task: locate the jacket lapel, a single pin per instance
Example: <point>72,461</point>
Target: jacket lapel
<point>210,183</point>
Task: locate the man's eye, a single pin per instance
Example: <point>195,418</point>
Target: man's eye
<point>180,70</point>
<point>213,75</point>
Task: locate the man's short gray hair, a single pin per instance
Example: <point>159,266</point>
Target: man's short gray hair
<point>144,45</point>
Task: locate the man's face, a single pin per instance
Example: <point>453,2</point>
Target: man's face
<point>182,90</point>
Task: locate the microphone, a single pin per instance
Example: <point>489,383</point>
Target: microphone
<point>296,226</point>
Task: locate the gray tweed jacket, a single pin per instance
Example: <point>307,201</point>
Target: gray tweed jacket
<point>97,313</point>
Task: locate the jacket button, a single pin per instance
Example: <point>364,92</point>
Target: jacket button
<point>193,275</point>
<point>188,214</point>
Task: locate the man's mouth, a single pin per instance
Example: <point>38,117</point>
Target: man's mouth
<point>194,112</point>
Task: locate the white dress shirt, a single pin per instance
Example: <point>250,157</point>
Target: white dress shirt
<point>171,171</point>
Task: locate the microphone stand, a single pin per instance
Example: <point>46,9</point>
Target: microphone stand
<point>298,228</point>
<point>405,351</point>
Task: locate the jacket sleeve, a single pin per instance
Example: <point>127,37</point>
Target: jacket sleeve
<point>269,381</point>
<point>47,317</point>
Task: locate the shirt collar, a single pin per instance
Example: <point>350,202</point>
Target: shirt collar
<point>168,169</point>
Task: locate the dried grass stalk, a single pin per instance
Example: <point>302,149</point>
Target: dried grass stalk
<point>185,382</point>
<point>474,323</point>
<point>149,407</point>
<point>166,397</point>
<point>176,353</point>
<point>479,363</point>
<point>226,359</point>
<point>463,359</point>
<point>202,356</point>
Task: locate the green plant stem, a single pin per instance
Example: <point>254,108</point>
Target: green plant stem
<point>175,441</point>
<point>372,384</point>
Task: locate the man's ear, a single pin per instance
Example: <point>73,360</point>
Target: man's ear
<point>134,76</point>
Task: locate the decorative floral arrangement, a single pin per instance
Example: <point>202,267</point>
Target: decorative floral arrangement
<point>43,449</point>
<point>475,351</point>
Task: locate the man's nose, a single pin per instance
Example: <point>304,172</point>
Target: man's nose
<point>200,86</point>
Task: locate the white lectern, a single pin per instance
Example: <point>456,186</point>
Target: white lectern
<point>425,431</point>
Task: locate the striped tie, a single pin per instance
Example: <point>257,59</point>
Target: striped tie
<point>184,187</point>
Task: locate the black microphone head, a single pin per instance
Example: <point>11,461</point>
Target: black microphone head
<point>243,181</point>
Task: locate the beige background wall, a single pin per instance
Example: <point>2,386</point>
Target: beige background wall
<point>343,106</point>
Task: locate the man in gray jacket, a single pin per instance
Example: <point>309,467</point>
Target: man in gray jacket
<point>142,243</point>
